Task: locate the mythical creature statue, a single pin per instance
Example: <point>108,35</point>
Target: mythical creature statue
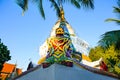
<point>60,50</point>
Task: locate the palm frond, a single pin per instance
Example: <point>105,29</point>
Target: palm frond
<point>23,4</point>
<point>116,10</point>
<point>87,3</point>
<point>40,6</point>
<point>110,38</point>
<point>118,3</point>
<point>56,4</point>
<point>56,7</point>
<point>115,20</point>
<point>75,3</point>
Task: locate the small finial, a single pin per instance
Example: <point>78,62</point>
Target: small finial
<point>62,14</point>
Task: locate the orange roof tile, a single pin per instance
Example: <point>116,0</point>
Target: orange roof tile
<point>8,68</point>
<point>19,71</point>
<point>86,57</point>
<point>3,76</point>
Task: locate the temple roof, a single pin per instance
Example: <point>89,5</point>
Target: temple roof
<point>77,72</point>
<point>8,69</point>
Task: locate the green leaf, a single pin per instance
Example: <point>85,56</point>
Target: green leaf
<point>4,54</point>
<point>56,7</point>
<point>23,4</point>
<point>116,10</point>
<point>111,19</point>
<point>75,3</point>
<point>41,9</point>
<point>87,3</point>
<point>110,38</point>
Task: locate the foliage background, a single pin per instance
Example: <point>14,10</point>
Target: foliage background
<point>110,56</point>
<point>4,54</point>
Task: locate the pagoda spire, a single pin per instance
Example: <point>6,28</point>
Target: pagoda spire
<point>62,18</point>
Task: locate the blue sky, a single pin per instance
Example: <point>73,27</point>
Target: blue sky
<point>24,34</point>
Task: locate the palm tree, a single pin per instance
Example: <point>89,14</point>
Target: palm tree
<point>117,11</point>
<point>112,37</point>
<point>57,4</point>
